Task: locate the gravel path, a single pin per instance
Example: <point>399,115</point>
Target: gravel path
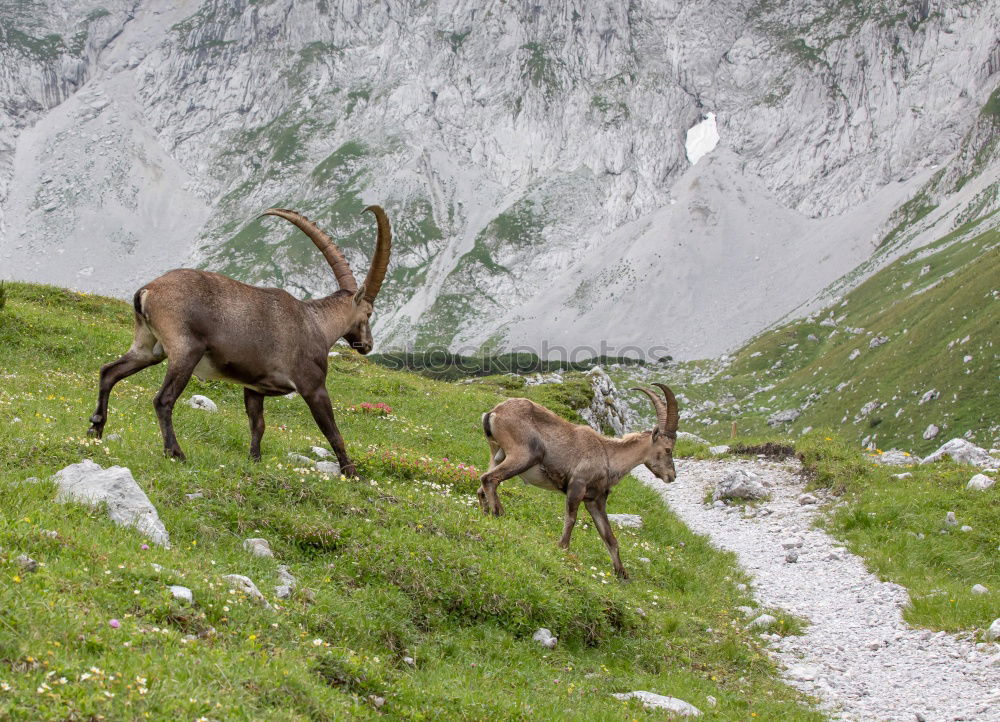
<point>857,655</point>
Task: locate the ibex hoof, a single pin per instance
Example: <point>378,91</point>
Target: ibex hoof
<point>350,471</point>
<point>94,432</point>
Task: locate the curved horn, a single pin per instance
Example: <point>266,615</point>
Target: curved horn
<point>380,261</point>
<point>673,416</point>
<point>661,410</point>
<point>333,255</point>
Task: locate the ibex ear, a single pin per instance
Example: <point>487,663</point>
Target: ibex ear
<point>656,433</point>
<point>358,295</point>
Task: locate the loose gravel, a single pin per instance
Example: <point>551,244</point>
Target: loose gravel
<point>857,654</point>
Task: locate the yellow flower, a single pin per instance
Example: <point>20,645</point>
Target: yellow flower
<point>17,579</point>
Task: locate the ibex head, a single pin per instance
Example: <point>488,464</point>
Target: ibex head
<point>358,331</point>
<point>660,457</point>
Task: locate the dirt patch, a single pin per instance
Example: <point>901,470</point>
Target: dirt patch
<point>770,450</point>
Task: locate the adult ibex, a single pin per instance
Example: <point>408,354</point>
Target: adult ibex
<point>545,450</point>
<point>263,338</point>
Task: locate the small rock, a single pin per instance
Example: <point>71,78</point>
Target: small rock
<point>283,591</point>
<point>792,556</point>
<point>328,467</point>
<point>718,504</point>
<point>874,645</point>
<point>791,543</point>
<point>803,672</point>
<point>721,449</point>
<point>645,560</point>
<point>300,458</point>
<point>962,451</point>
<point>544,637</point>
<point>641,612</point>
<point>711,701</point>
<point>980,482</point>
<point>651,700</point>
<point>182,594</point>
<point>950,519</point>
<point>904,475</point>
<point>979,589</point>
<point>854,354</point>
<point>807,499</point>
<point>258,547</point>
<point>195,495</point>
<point>202,402</point>
<point>764,621</point>
<point>930,432</point>
<point>321,452</point>
<point>379,702</point>
<point>783,417</point>
<point>994,631</point>
<point>113,437</point>
<point>740,484</point>
<point>741,587</point>
<point>966,528</point>
<point>243,584</point>
<point>878,341</point>
<point>288,582</point>
<point>410,661</point>
<point>26,563</point>
<point>746,611</point>
<point>929,396</point>
<point>626,521</point>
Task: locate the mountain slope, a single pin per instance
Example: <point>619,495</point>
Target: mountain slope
<point>914,345</point>
<point>401,565</point>
<point>511,144</point>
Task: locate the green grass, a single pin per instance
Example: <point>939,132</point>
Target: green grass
<point>898,526</point>
<point>399,564</point>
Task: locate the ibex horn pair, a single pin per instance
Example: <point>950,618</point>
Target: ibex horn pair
<point>335,257</point>
<point>667,416</point>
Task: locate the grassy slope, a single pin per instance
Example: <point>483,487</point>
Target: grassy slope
<point>402,564</point>
<point>926,303</point>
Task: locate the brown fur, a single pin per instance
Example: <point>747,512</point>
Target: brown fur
<point>262,338</point>
<point>527,439</point>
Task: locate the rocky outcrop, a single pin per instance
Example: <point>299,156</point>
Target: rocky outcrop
<point>607,412</point>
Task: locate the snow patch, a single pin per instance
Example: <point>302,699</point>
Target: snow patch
<point>701,138</point>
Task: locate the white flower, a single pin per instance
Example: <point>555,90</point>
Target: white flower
<point>317,642</point>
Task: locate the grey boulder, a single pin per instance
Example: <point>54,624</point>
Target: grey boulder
<point>740,484</point>
<point>962,451</point>
<point>651,700</point>
<point>117,489</point>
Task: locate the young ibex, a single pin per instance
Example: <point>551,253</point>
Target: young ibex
<point>218,328</point>
<point>545,450</point>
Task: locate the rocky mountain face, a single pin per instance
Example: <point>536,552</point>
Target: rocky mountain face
<point>532,156</point>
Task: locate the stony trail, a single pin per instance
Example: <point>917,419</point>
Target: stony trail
<point>857,655</point>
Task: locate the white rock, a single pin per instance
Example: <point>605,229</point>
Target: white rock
<point>544,637</point>
<point>722,449</point>
<point>258,547</point>
<point>904,475</point>
<point>288,583</point>
<point>930,432</point>
<point>299,458</point>
<point>740,484</point>
<point>26,563</point>
<point>929,396</point>
<point>854,354</point>
<point>764,621</point>
<point>966,528</point>
<point>783,417</point>
<point>243,584</point>
<point>979,589</point>
<point>202,402</point>
<point>182,594</point>
<point>980,482</point>
<point>410,661</point>
<point>994,631</point>
<point>331,468</point>
<point>807,499</point>
<point>962,451</point>
<point>321,452</point>
<point>651,700</point>
<point>645,560</point>
<point>878,341</point>
<point>792,556</point>
<point>950,519</point>
<point>701,138</point>
<point>626,521</point>
<point>803,672</point>
<point>115,487</point>
<point>195,495</point>
<point>746,611</point>
<point>791,542</point>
